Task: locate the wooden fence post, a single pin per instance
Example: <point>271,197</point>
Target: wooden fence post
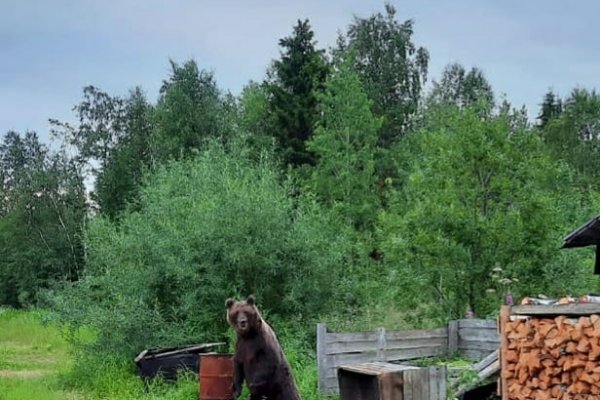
<point>381,345</point>
<point>322,355</point>
<point>503,319</point>
<point>452,337</point>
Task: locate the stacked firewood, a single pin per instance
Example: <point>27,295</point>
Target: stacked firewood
<point>551,358</point>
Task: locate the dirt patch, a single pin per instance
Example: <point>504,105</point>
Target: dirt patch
<point>36,373</point>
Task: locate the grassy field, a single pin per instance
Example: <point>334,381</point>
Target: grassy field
<point>32,357</point>
<point>36,363</point>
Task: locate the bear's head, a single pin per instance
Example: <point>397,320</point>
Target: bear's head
<point>243,316</point>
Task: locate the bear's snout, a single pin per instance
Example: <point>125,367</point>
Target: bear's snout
<point>242,321</point>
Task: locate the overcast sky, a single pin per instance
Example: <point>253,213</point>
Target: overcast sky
<point>51,49</point>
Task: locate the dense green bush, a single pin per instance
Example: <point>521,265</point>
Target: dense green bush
<point>481,215</point>
<point>209,228</point>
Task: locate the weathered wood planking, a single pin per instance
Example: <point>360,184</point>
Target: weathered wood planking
<point>504,318</point>
<point>388,381</point>
<point>336,349</point>
<point>351,347</point>
<point>487,347</point>
<point>411,354</point>
<point>425,341</point>
<point>487,361</point>
<point>351,337</point>
<point>474,355</point>
<point>425,383</point>
<point>474,339</point>
<point>477,338</point>
<point>417,334</point>
<point>438,382</point>
<point>557,309</point>
<point>478,323</point>
<point>452,337</point>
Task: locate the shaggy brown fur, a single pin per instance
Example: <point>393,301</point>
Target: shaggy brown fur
<point>258,358</point>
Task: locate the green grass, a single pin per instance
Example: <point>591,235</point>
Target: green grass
<point>32,388</point>
<point>32,356</point>
<point>36,362</point>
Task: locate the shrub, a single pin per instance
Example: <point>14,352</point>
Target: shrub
<point>209,228</point>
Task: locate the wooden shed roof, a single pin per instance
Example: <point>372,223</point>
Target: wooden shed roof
<point>587,234</point>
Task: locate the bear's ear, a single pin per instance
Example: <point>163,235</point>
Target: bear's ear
<point>229,303</point>
<point>251,300</point>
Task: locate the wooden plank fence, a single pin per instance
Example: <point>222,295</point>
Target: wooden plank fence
<point>471,338</point>
<point>477,338</point>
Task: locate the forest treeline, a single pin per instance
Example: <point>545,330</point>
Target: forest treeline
<point>342,187</point>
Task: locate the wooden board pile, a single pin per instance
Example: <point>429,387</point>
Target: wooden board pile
<point>546,357</point>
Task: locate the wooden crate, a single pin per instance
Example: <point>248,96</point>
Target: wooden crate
<point>386,381</point>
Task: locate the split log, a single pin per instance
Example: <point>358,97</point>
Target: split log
<point>545,357</point>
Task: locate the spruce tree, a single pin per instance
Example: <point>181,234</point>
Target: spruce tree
<point>294,81</point>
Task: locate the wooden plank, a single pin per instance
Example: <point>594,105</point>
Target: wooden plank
<point>485,346</point>
<point>477,329</point>
<point>322,359</point>
<point>330,387</point>
<point>437,339</point>
<point>478,334</point>
<point>422,384</point>
<point>351,337</point>
<point>408,386</point>
<point>381,344</point>
<point>493,357</point>
<point>474,355</point>
<point>419,345</point>
<point>434,375</point>
<point>490,370</point>
<point>478,339</point>
<point>503,319</point>
<point>477,323</point>
<point>355,347</point>
<point>331,373</point>
<point>437,383</point>
<point>416,334</point>
<point>351,347</point>
<point>452,337</point>
<point>352,358</point>
<point>410,354</point>
<point>442,383</point>
<point>560,309</point>
<point>412,343</point>
<point>377,368</point>
<point>481,343</point>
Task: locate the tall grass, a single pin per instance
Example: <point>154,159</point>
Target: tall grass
<point>108,378</point>
<point>298,346</point>
<point>36,362</point>
<point>32,355</point>
<point>25,331</point>
<point>28,389</point>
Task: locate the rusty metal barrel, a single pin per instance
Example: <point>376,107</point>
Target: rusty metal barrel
<point>216,376</point>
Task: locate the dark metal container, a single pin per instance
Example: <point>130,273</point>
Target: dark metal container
<point>169,362</point>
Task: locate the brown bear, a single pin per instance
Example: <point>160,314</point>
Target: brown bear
<point>258,358</point>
